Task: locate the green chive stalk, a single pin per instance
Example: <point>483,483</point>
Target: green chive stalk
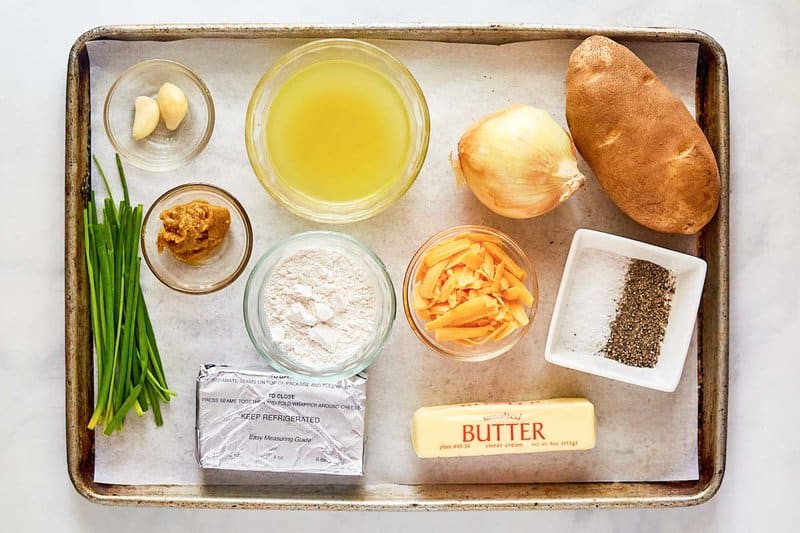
<point>128,365</point>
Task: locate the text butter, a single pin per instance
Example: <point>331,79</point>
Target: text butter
<point>561,424</point>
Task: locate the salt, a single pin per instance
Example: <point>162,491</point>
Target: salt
<point>591,304</point>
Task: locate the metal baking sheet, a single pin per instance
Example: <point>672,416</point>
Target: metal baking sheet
<point>712,353</point>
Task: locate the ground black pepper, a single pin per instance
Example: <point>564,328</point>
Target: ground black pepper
<point>641,315</point>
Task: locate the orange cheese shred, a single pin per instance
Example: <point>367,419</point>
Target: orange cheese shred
<point>483,237</point>
<point>430,279</point>
<point>452,334</point>
<point>468,290</point>
<point>444,250</point>
<point>524,295</point>
<point>471,309</point>
<point>500,255</point>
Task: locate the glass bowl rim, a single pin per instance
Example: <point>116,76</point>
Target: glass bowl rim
<point>365,360</point>
<point>263,174</point>
<point>248,245</point>
<point>136,159</point>
<point>444,351</point>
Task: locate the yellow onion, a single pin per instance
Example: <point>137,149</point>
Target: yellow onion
<point>519,162</point>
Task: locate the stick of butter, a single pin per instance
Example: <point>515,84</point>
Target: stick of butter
<point>560,424</point>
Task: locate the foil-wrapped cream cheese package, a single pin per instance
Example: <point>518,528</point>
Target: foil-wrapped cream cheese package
<point>265,421</point>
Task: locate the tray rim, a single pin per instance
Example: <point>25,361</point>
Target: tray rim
<point>712,423</point>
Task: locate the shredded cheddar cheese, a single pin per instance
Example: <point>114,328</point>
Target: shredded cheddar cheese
<point>469,290</point>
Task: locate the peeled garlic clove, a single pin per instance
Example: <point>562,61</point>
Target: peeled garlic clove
<point>145,117</point>
<point>173,105</point>
<point>518,162</point>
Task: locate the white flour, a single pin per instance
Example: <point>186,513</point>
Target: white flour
<point>592,301</point>
<point>320,307</point>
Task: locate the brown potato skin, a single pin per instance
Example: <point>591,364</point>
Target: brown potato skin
<point>646,150</point>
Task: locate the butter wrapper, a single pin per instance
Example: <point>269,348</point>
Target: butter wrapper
<point>266,421</point>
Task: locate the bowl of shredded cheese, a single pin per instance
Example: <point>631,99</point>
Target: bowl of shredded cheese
<point>470,293</point>
<point>319,306</point>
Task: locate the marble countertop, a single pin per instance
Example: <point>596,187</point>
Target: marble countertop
<point>757,493</point>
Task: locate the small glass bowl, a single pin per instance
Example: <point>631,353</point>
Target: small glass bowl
<point>301,58</point>
<point>489,349</point>
<point>163,149</point>
<point>227,261</point>
<point>256,321</point>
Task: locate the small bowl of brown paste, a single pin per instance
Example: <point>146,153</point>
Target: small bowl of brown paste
<point>196,238</point>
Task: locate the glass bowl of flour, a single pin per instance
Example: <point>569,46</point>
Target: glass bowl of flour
<point>319,306</point>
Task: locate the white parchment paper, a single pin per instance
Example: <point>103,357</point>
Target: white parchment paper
<point>641,434</point>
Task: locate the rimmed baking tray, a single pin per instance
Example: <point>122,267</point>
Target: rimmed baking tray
<point>712,115</point>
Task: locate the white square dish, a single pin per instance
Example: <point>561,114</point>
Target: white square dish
<point>690,273</point>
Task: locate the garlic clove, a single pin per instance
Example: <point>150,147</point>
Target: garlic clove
<point>145,117</point>
<point>173,105</point>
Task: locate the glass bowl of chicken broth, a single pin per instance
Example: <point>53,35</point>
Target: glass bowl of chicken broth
<point>337,130</point>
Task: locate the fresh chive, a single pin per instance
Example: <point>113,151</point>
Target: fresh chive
<point>137,406</point>
<point>123,410</point>
<point>130,374</point>
<point>90,262</point>
<point>103,175</point>
<point>156,407</point>
<point>104,379</point>
<point>122,179</point>
<point>155,356</point>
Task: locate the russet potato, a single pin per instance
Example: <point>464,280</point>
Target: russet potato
<point>644,147</point>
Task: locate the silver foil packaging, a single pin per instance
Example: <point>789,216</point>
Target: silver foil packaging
<point>265,421</point>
